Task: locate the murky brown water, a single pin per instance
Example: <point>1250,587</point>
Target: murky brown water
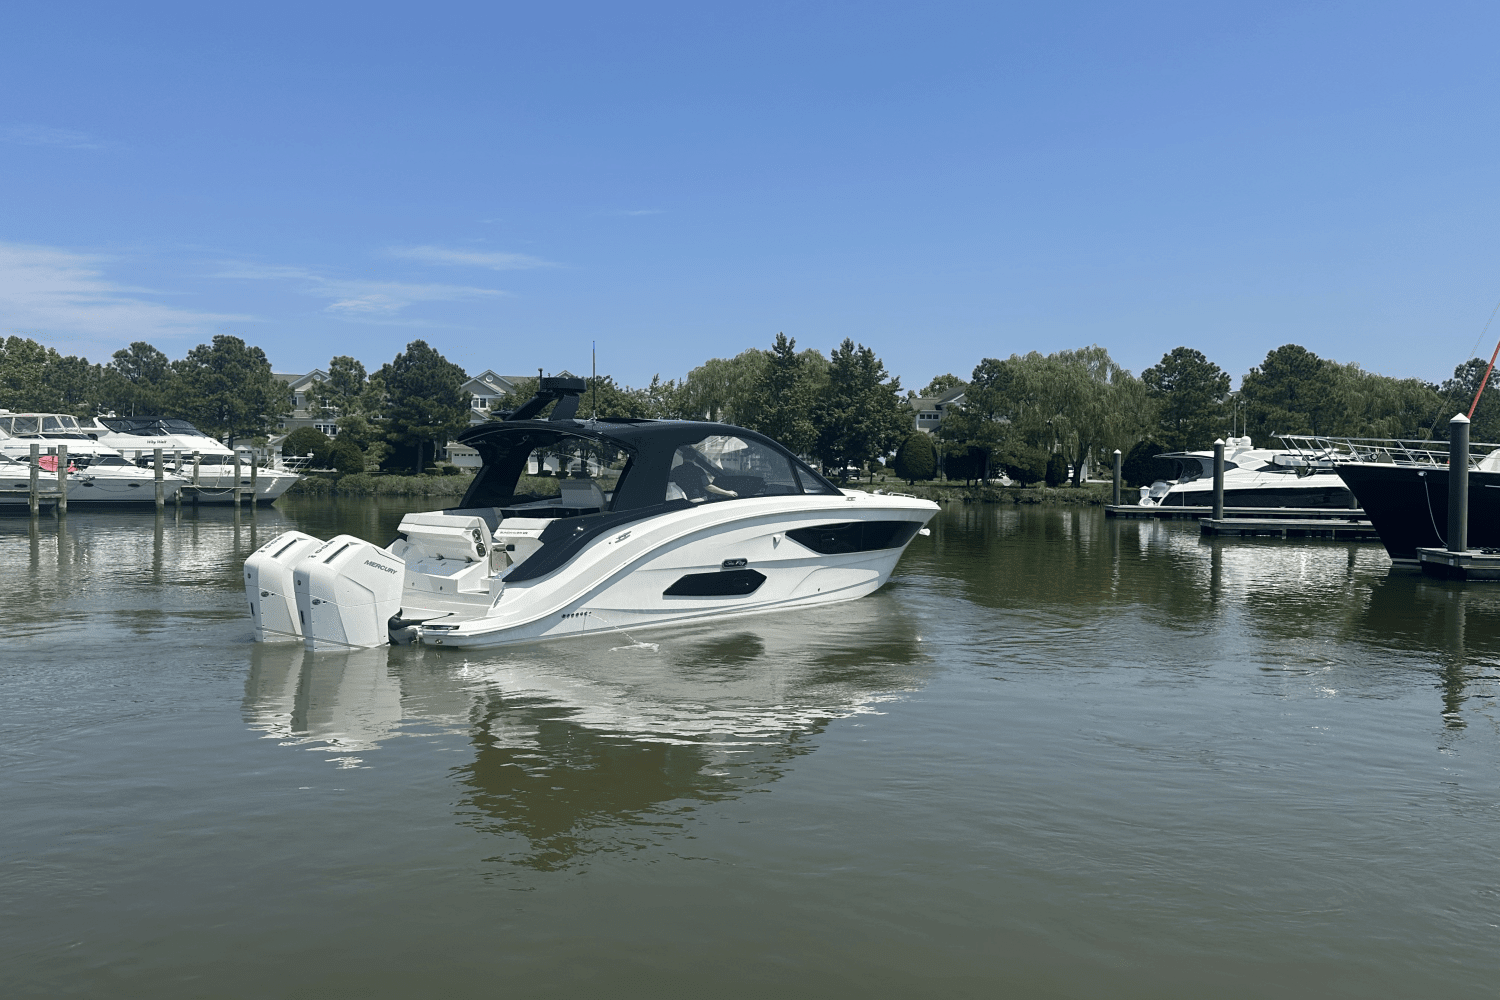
<point>1057,756</point>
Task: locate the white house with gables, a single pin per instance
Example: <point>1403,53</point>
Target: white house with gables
<point>307,398</point>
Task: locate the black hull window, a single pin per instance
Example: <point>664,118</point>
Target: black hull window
<point>733,583</point>
<point>855,536</point>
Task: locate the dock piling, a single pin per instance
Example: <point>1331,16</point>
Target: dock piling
<point>177,471</point>
<point>1117,478</point>
<point>36,471</point>
<point>1458,484</point>
<point>156,465</point>
<point>1219,479</point>
<point>254,478</point>
<point>235,495</point>
<point>62,479</point>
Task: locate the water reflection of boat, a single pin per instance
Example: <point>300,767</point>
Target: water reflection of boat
<point>578,747</point>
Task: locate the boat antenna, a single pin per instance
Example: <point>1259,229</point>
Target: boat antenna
<point>594,356</point>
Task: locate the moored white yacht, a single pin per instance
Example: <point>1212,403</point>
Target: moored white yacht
<point>648,522</point>
<point>95,474</point>
<point>191,453</point>
<point>1253,477</point>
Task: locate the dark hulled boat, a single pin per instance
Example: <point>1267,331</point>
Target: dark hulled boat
<point>1408,505</point>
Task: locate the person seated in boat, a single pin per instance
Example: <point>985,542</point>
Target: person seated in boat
<point>692,481</point>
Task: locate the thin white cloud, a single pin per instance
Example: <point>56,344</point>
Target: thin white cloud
<point>50,293</point>
<point>470,258</point>
<point>41,135</point>
<point>359,299</point>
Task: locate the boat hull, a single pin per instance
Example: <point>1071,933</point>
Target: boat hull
<point>1322,491</point>
<point>1408,505</point>
<point>687,567</point>
<point>219,490</point>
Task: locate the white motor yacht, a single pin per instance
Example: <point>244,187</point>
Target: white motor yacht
<point>205,462</point>
<point>95,474</point>
<point>647,522</point>
<point>1253,477</point>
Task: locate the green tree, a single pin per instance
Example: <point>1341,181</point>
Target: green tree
<point>1292,392</point>
<point>787,387</point>
<point>1077,403</point>
<point>724,388</point>
<point>227,390</point>
<point>603,395</point>
<point>25,370</point>
<point>308,441</point>
<point>424,400</point>
<point>860,415</point>
<point>916,458</point>
<point>346,388</point>
<point>1456,395</point>
<point>140,380</point>
<point>1057,470</point>
<point>1189,391</point>
<point>1372,405</point>
<point>940,385</point>
<point>1141,467</point>
<point>345,457</point>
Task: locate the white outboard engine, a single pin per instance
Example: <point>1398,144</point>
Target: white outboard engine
<point>269,588</point>
<point>347,591</point>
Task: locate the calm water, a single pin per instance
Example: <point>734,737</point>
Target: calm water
<point>1057,756</point>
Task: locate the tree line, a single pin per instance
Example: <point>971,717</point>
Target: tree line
<point>1027,412</point>
<point>1031,416</point>
<point>843,409</point>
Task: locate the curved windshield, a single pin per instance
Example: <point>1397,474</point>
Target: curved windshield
<point>149,426</point>
<point>720,467</point>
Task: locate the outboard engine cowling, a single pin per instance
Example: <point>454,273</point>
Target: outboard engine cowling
<point>347,590</point>
<point>269,587</point>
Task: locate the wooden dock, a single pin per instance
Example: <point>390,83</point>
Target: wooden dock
<point>19,501</point>
<point>1261,513</point>
<point>1255,527</point>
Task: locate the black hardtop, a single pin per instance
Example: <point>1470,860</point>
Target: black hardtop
<point>503,444</point>
<point>634,433</point>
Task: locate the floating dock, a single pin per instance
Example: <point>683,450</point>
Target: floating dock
<point>1254,527</point>
<point>1261,513</point>
<point>1474,564</point>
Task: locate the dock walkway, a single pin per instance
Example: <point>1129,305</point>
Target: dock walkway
<point>1262,513</point>
<point>1255,527</point>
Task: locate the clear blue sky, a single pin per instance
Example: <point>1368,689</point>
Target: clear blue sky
<point>679,181</point>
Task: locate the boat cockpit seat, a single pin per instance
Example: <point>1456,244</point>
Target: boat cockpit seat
<point>584,493</point>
